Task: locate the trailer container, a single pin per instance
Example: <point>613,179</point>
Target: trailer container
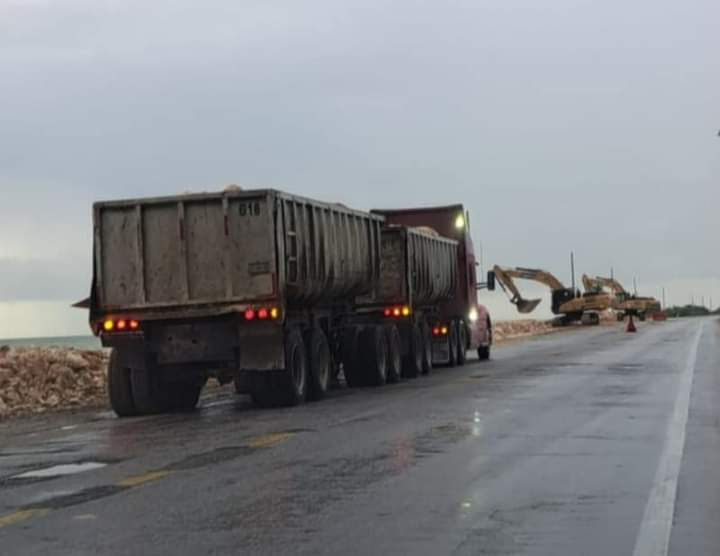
<point>418,273</point>
<point>459,323</point>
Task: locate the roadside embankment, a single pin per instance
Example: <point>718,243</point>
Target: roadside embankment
<point>37,380</point>
<point>43,379</point>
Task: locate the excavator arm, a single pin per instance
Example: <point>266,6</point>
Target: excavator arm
<point>599,283</point>
<point>505,277</point>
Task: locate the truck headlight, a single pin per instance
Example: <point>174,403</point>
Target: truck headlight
<point>473,316</point>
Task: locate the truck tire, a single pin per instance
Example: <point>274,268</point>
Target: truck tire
<point>413,360</point>
<point>484,351</point>
<point>350,356</point>
<point>287,387</point>
<point>319,364</point>
<point>292,383</point>
<point>427,362</point>
<point>119,388</point>
<point>462,342</point>
<point>148,393</point>
<point>373,354</point>
<point>394,354</point>
<point>453,344</point>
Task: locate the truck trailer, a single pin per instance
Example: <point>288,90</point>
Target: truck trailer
<point>274,291</point>
<point>460,323</point>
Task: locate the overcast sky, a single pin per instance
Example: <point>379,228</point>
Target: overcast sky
<point>566,124</point>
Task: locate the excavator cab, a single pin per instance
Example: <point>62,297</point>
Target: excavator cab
<point>560,297</point>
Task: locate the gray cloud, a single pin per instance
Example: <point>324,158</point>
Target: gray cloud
<point>571,125</point>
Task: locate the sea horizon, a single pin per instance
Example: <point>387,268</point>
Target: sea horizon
<point>85,341</point>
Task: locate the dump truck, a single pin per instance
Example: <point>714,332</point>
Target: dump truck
<point>264,288</point>
<point>457,323</point>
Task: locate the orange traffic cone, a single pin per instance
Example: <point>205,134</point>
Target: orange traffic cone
<point>631,325</point>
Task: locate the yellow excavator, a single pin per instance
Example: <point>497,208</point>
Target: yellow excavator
<point>568,303</point>
<point>622,302</point>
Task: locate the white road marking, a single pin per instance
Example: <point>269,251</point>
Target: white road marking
<point>60,470</point>
<point>654,536</point>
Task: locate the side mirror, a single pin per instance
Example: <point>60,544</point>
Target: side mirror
<point>491,281</point>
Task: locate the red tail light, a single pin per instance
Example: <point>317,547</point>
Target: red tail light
<point>397,312</point>
<point>261,313</point>
<point>119,325</point>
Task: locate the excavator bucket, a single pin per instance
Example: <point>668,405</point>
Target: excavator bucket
<point>526,305</point>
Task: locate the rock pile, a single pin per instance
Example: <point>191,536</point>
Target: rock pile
<point>35,380</point>
<point>509,330</point>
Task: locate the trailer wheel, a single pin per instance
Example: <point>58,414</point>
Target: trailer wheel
<point>148,394</point>
<point>394,353</point>
<point>318,364</point>
<point>484,351</point>
<point>427,362</point>
<point>453,344</point>
<point>373,354</point>
<point>350,357</point>
<point>119,388</point>
<point>462,342</point>
<point>287,387</point>
<point>293,381</point>
<point>413,361</point>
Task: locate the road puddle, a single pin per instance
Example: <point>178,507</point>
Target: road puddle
<point>61,470</point>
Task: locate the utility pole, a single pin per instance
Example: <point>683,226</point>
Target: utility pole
<point>612,273</point>
<point>635,284</point>
<point>572,270</point>
<point>663,295</point>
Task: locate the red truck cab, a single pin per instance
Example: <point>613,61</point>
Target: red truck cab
<point>453,222</point>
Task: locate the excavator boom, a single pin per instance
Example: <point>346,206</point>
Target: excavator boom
<point>566,302</point>
<point>505,276</point>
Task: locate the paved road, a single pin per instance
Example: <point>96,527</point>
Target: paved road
<point>591,442</point>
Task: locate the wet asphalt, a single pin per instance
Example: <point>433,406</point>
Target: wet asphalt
<point>588,442</point>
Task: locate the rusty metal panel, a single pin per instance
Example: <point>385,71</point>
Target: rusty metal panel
<point>332,252</point>
<point>229,248</point>
<point>394,284</point>
<point>185,250</point>
<point>165,279</point>
<point>121,283</point>
<point>416,267</point>
<point>434,268</point>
